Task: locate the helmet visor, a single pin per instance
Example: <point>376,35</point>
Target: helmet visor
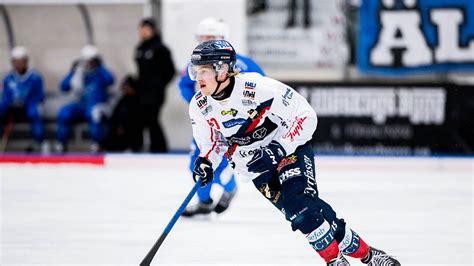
<point>201,72</point>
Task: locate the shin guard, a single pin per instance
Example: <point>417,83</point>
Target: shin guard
<point>353,246</point>
<point>322,240</point>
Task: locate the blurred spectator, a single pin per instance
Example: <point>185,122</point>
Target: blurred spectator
<point>257,6</point>
<point>155,71</point>
<point>125,132</point>
<point>292,7</point>
<point>87,82</point>
<point>23,95</point>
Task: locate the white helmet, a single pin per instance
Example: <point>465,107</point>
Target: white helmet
<point>212,26</point>
<point>88,52</point>
<point>19,52</point>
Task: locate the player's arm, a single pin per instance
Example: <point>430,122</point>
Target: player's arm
<point>207,137</point>
<point>297,115</point>
<point>7,96</point>
<point>210,143</point>
<point>65,85</point>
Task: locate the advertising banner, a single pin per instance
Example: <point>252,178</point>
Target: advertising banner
<point>391,119</point>
<point>407,36</point>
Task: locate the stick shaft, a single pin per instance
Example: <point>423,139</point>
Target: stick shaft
<point>149,257</point>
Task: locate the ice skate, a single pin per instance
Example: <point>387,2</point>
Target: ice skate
<point>224,201</point>
<point>339,261</point>
<point>379,258</point>
<point>199,208</point>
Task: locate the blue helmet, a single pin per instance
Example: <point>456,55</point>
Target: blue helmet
<point>215,52</point>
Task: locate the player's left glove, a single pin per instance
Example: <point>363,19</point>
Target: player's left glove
<point>203,170</point>
<point>266,158</point>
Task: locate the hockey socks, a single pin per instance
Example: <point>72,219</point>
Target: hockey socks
<point>323,241</point>
<point>352,245</point>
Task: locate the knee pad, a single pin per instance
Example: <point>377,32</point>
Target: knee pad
<point>303,212</point>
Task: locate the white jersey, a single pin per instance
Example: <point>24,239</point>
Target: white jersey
<point>259,110</point>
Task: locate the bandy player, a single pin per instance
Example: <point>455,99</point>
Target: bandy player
<point>264,128</point>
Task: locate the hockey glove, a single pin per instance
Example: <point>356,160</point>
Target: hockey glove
<point>203,170</point>
<point>266,158</point>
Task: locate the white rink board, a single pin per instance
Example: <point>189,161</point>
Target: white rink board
<point>419,209</point>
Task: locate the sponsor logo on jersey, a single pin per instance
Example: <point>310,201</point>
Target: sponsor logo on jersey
<point>273,196</point>
<point>207,110</point>
<point>244,153</point>
<point>259,133</point>
<point>202,102</point>
<point>252,113</point>
<point>249,94</point>
<point>295,129</point>
<point>198,95</point>
<point>311,188</point>
<point>232,112</point>
<point>290,173</point>
<point>233,122</point>
<point>250,85</point>
<point>287,96</point>
<point>246,102</point>
<point>287,161</point>
<point>245,140</point>
<point>284,124</point>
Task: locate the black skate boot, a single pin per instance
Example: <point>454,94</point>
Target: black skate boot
<point>379,258</point>
<point>224,201</point>
<point>199,208</point>
<point>339,261</point>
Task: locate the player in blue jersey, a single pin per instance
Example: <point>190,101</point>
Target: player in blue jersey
<point>88,83</point>
<point>212,28</point>
<point>22,97</point>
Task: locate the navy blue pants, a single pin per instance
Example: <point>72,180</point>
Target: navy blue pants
<point>292,189</point>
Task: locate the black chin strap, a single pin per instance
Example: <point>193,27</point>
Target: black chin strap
<point>218,85</point>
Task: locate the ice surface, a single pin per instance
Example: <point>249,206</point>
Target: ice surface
<point>420,210</point>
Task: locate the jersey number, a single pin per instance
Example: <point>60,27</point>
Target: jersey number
<point>213,123</point>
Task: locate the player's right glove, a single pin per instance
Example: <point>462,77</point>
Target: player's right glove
<point>203,171</point>
<point>267,158</point>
